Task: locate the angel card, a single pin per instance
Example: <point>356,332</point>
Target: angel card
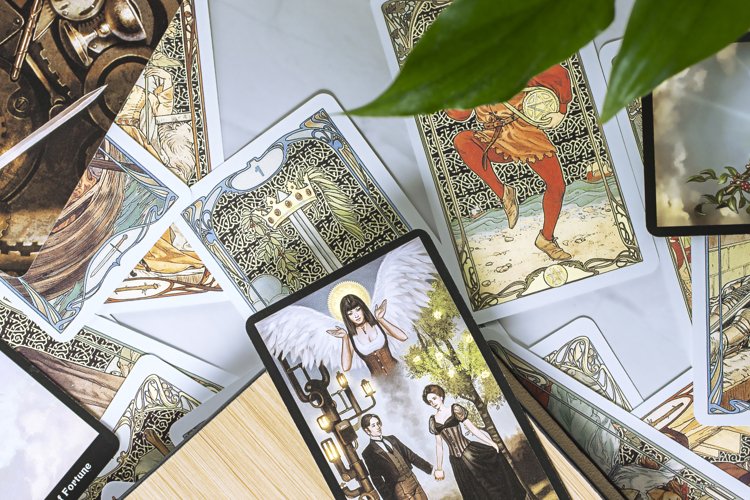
<point>382,368</point>
<point>303,199</point>
<point>534,193</point>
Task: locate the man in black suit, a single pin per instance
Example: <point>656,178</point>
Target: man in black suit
<point>390,462</point>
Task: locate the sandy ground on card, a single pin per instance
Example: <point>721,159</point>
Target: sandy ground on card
<point>508,255</point>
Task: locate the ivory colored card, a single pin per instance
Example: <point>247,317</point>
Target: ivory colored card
<point>123,203</point>
<point>721,319</point>
<point>535,199</point>
<point>638,459</point>
<point>580,350</point>
<point>672,412</point>
<point>303,199</point>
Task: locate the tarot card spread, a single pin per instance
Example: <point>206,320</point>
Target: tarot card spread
<point>640,461</point>
<point>172,110</point>
<point>631,124</point>
<point>300,201</point>
<point>122,204</point>
<point>390,327</point>
<point>700,159</point>
<point>721,311</point>
<point>580,350</point>
<point>531,190</point>
<point>671,411</point>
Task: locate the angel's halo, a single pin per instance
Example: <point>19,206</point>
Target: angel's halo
<point>345,288</point>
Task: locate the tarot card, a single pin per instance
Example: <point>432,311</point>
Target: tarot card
<point>115,490</point>
<point>173,110</point>
<point>580,350</point>
<point>697,167</point>
<point>96,362</point>
<point>300,201</point>
<point>196,330</point>
<point>121,206</point>
<point>193,420</point>
<point>530,215</point>
<point>721,316</point>
<point>671,411</point>
<point>171,272</point>
<point>639,460</point>
<point>73,74</point>
<point>630,121</point>
<point>386,345</point>
<point>151,399</point>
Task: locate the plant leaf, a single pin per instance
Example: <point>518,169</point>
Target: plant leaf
<point>709,172</point>
<point>485,51</point>
<point>337,202</point>
<point>664,37</point>
<point>732,170</point>
<point>696,178</point>
<point>732,204</point>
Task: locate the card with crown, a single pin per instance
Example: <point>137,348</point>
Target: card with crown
<point>303,199</point>
<point>386,376</point>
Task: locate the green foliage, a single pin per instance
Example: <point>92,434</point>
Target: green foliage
<point>484,51</point>
<point>337,202</point>
<point>447,358</point>
<point>269,248</point>
<point>734,195</point>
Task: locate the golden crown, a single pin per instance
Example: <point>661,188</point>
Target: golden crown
<point>287,203</point>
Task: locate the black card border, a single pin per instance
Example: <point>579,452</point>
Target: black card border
<point>102,448</point>
<point>291,404</point>
<point>649,176</point>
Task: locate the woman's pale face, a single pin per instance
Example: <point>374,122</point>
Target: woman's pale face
<point>356,315</point>
<point>434,400</point>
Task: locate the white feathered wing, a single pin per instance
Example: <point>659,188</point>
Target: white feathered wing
<point>404,278</point>
<point>300,334</point>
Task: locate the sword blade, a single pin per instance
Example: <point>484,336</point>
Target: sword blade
<point>30,140</point>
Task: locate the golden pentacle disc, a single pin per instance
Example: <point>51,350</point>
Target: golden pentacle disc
<point>345,288</point>
<point>555,275</point>
<point>539,102</point>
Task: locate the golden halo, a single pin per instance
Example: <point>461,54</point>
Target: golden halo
<point>340,290</point>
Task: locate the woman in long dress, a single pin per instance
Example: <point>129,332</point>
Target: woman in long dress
<point>367,335</point>
<point>481,471</point>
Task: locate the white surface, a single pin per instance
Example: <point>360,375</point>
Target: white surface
<point>213,332</point>
<point>271,55</point>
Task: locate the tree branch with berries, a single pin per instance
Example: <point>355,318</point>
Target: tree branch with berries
<point>734,195</point>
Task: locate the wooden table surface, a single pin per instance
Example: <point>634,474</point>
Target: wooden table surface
<point>252,449</point>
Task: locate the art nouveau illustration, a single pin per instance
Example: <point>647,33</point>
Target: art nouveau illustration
<point>640,464</point>
<point>385,372</point>
<point>528,188</point>
<point>721,311</point>
<point>300,201</point>
<point>170,269</point>
<point>671,411</point>
<point>170,109</point>
<point>117,204</point>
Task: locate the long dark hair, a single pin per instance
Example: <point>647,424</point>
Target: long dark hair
<point>349,302</point>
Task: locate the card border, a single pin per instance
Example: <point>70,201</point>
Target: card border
<point>649,175</point>
<point>102,448</point>
<point>293,408</point>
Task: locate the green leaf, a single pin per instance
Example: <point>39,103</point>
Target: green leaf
<point>666,36</point>
<point>696,178</point>
<point>732,170</point>
<point>709,172</point>
<point>743,202</point>
<point>732,204</point>
<point>723,178</point>
<point>338,203</point>
<point>711,199</point>
<point>485,51</point>
<point>699,209</point>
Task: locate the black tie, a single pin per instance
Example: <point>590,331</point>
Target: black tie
<point>387,446</point>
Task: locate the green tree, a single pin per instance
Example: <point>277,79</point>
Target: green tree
<point>452,359</point>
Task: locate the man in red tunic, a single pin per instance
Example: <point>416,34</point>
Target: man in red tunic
<point>508,135</point>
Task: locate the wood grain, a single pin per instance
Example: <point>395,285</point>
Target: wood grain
<point>252,449</point>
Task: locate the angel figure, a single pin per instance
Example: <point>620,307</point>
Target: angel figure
<point>357,335</point>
